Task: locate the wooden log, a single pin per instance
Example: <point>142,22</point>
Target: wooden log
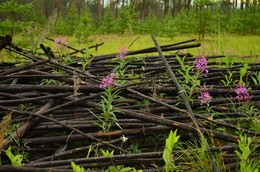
<point>30,169</point>
<point>111,159</point>
<point>152,50</point>
<point>64,125</point>
<point>110,134</point>
<point>161,121</point>
<point>71,152</point>
<point>17,69</point>
<point>48,88</point>
<point>24,128</point>
<point>30,100</point>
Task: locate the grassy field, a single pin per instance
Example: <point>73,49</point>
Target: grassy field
<point>211,45</point>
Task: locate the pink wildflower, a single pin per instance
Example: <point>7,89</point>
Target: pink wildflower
<point>108,80</point>
<point>122,52</point>
<point>242,94</point>
<point>201,64</point>
<point>204,98</point>
<point>60,42</point>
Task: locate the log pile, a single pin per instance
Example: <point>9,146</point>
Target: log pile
<point>55,107</point>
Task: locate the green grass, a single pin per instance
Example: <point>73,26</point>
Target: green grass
<point>234,44</point>
<point>211,45</point>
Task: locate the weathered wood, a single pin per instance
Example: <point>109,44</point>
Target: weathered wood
<point>24,67</point>
<point>30,169</point>
<point>151,107</point>
<point>29,100</point>
<point>64,125</point>
<point>48,88</point>
<point>24,128</point>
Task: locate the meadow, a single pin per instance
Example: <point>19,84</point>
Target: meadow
<point>225,44</point>
<point>211,45</point>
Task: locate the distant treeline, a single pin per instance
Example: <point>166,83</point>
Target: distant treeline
<point>81,18</point>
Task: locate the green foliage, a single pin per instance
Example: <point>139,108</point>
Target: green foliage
<point>256,79</point>
<point>118,168</point>
<point>229,61</point>
<point>126,21</point>
<point>85,27</point>
<point>185,70</point>
<point>60,26</point>
<point>167,153</point>
<point>7,25</point>
<point>20,148</point>
<point>185,22</point>
<point>47,81</point>
<point>13,9</point>
<point>134,148</point>
<point>190,81</point>
<point>72,19</point>
<point>108,116</point>
<point>170,28</point>
<point>244,21</point>
<point>107,153</point>
<point>151,25</point>
<point>204,16</point>
<point>35,33</point>
<point>255,125</point>
<point>242,73</point>
<point>87,59</point>
<point>244,152</point>
<point>16,160</point>
<point>77,168</point>
<point>90,149</point>
<point>228,79</point>
<point>121,72</point>
<point>197,152</point>
<point>108,24</point>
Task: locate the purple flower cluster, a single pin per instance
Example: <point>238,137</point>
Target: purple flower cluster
<point>122,52</point>
<point>60,42</point>
<point>204,98</point>
<point>242,94</point>
<point>201,64</point>
<point>108,80</point>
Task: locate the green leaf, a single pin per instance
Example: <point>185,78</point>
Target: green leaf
<point>77,168</point>
<point>16,160</point>
<point>166,156</point>
<point>167,153</point>
<point>126,169</point>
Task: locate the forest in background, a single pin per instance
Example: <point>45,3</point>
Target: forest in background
<point>82,18</point>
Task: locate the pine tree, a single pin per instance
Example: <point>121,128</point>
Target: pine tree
<point>13,10</point>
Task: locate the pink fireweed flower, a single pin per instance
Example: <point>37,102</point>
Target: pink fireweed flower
<point>201,64</point>
<point>122,52</point>
<point>242,94</point>
<point>204,98</point>
<point>108,80</point>
<point>60,42</point>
